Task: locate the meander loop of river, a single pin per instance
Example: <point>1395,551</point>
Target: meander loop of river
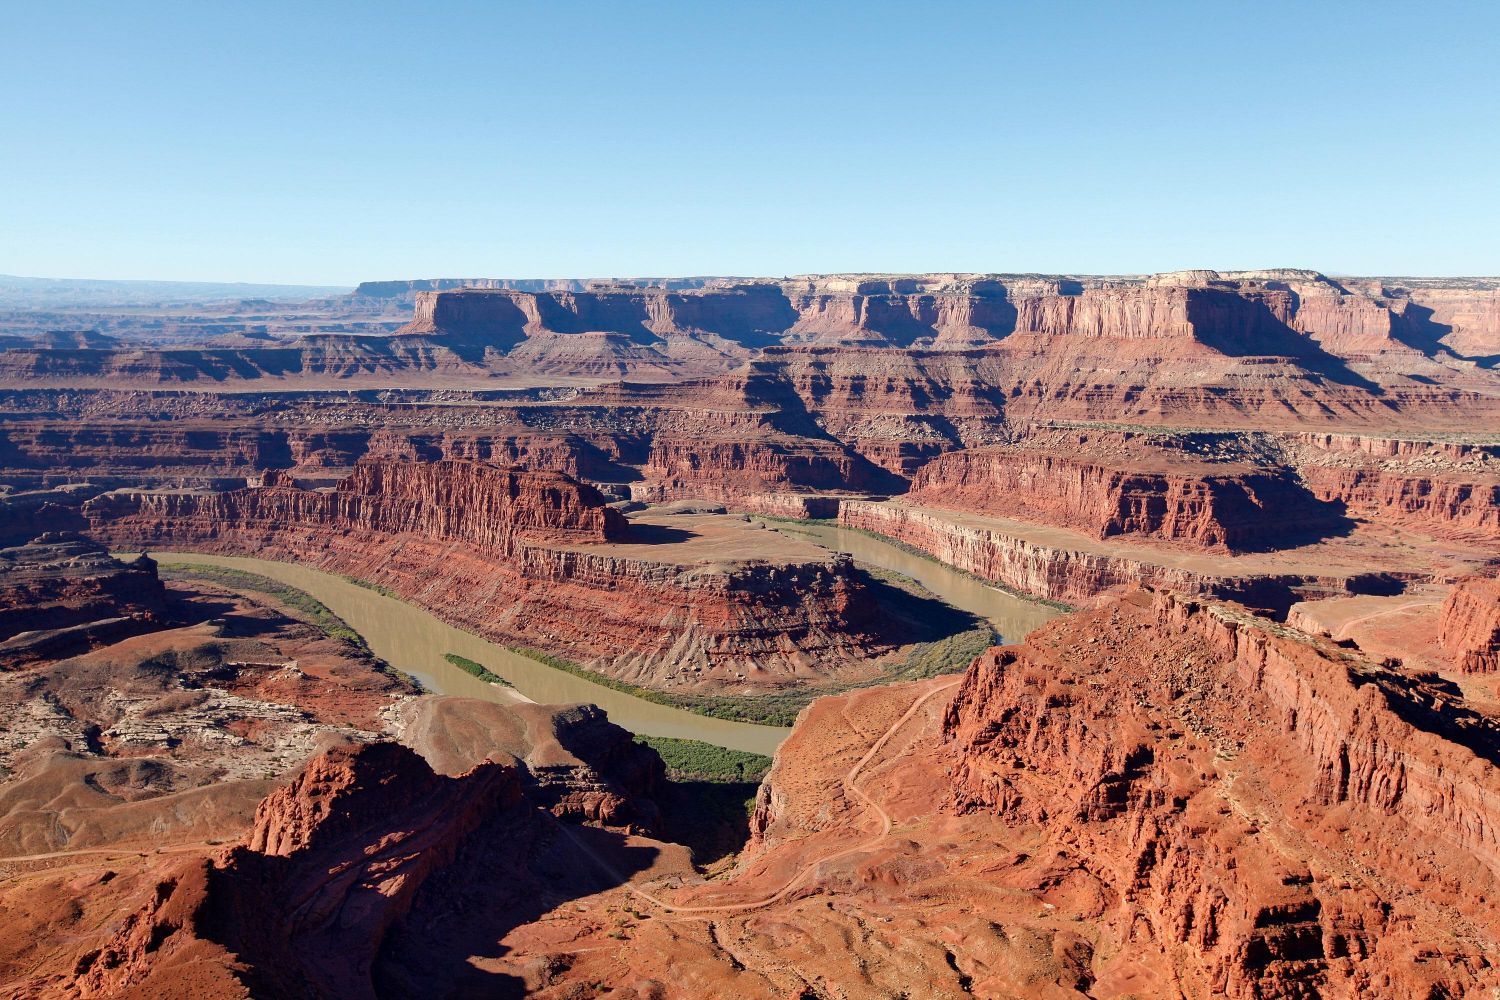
<point>415,641</point>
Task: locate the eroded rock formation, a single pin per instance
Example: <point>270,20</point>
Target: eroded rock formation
<point>1239,774</point>
<point>1136,491</point>
<point>62,593</point>
<point>332,864</point>
<point>1470,626</point>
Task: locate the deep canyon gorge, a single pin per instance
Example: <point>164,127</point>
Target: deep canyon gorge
<point>1246,742</point>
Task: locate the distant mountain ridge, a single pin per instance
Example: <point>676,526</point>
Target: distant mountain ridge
<point>53,293</point>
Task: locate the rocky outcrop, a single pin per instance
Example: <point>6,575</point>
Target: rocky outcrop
<point>331,866</point>
<point>1470,626</point>
<point>489,508</point>
<point>1172,498</point>
<point>736,469</point>
<point>1448,489</point>
<point>573,761</point>
<point>1435,505</point>
<point>372,875</point>
<point>1282,817</point>
<point>62,593</point>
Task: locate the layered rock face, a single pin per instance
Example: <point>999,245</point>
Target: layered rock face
<point>369,875</point>
<point>63,593</point>
<point>1282,818</point>
<point>1461,315</point>
<point>332,865</point>
<point>1243,310</point>
<point>1451,490</point>
<point>1291,347</point>
<point>1062,566</point>
<point>735,390</point>
<point>525,558</point>
<point>749,471</point>
<point>1470,626</point>
<point>488,508</point>
<point>1159,495</point>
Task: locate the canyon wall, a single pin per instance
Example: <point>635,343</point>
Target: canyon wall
<point>1469,629</point>
<point>1046,565</point>
<point>1450,489</point>
<point>62,593</point>
<point>1283,346</point>
<point>525,558</point>
<point>1258,312</point>
<point>1203,506</point>
<point>366,876</point>
<point>1225,778</point>
<point>491,509</point>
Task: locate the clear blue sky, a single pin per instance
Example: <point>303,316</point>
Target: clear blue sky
<point>328,143</point>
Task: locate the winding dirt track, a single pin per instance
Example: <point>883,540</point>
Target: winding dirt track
<point>796,880</point>
<point>1343,632</point>
<point>786,890</point>
<point>122,852</point>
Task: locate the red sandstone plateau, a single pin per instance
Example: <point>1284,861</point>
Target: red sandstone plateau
<point>1256,755</point>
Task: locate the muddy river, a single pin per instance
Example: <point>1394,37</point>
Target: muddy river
<point>415,641</point>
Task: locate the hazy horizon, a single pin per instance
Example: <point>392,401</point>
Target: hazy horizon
<point>642,276</point>
<point>282,145</point>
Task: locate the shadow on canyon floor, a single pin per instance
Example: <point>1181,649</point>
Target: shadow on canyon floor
<point>657,534</point>
<point>916,617</point>
<point>449,943</point>
<point>710,818</point>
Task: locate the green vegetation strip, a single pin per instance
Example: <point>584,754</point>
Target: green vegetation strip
<point>382,591</point>
<point>780,708</point>
<point>694,760</point>
<point>479,670</point>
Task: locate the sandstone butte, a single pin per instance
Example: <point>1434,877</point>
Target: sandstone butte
<point>1260,762</point>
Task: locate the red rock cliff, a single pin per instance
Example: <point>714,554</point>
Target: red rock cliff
<point>487,507</point>
<point>1470,625</point>
<point>334,862</point>
<point>1446,489</point>
<point>1283,817</point>
<point>1202,505</point>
